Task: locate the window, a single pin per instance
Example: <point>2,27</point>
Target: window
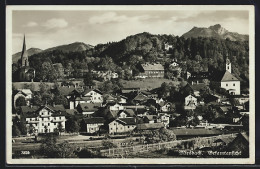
<point>234,84</point>
<point>55,124</point>
<point>226,84</point>
<point>111,128</point>
<point>48,124</point>
<point>114,123</point>
<point>42,124</point>
<point>128,126</point>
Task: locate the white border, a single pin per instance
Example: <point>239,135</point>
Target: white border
<point>250,160</point>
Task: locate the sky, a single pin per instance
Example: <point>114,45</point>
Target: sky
<point>44,29</point>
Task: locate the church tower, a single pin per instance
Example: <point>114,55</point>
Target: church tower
<point>24,56</point>
<point>228,65</point>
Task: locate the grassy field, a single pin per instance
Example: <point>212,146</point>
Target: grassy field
<point>148,83</point>
<point>35,86</point>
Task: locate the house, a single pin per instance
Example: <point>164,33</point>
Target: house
<point>190,102</point>
<point>122,99</point>
<point>75,101</point>
<point>140,98</point>
<point>175,67</point>
<point>198,77</point>
<point>88,109</point>
<point>150,119</point>
<point>126,113</point>
<point>26,93</point>
<point>45,119</point>
<point>167,46</point>
<point>164,118</point>
<point>152,70</point>
<point>114,106</point>
<point>165,107</point>
<point>198,88</point>
<point>93,124</point>
<point>95,94</point>
<point>122,125</point>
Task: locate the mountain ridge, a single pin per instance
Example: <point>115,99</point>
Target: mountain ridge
<point>215,31</point>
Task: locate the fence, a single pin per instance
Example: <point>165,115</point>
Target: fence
<point>192,143</point>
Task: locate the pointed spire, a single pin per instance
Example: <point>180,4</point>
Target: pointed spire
<point>24,56</point>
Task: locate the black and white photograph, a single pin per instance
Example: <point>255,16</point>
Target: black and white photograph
<point>157,84</point>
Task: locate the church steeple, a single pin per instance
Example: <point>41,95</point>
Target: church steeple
<point>228,65</point>
<point>24,56</point>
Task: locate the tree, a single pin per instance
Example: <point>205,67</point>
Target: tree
<point>20,101</point>
<point>161,135</point>
<point>72,125</point>
<point>22,126</point>
<point>60,128</point>
<point>88,80</point>
<point>15,130</point>
<point>31,129</point>
<point>108,144</point>
<point>50,149</point>
<point>60,99</point>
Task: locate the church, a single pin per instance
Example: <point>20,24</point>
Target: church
<point>229,81</point>
<point>26,73</point>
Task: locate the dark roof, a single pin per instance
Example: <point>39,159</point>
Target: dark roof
<point>210,98</point>
<point>140,97</point>
<point>72,111</point>
<point>147,126</point>
<point>86,107</point>
<point>94,120</point>
<point>129,112</point>
<point>127,121</point>
<point>228,77</point>
<point>196,132</point>
<point>150,117</point>
<point>29,109</point>
<point>85,98</point>
<point>89,90</point>
<point>65,90</point>
<point>56,107</point>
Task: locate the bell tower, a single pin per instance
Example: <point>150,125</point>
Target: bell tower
<point>24,55</point>
<point>228,65</point>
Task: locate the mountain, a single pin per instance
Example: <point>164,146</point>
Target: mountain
<point>215,31</point>
<point>30,52</point>
<point>73,47</point>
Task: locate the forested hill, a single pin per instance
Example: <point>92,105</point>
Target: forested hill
<point>194,54</point>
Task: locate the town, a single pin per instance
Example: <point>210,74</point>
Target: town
<point>102,111</point>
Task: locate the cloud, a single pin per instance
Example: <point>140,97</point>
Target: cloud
<point>31,24</point>
<point>106,18</point>
<point>113,17</point>
<point>55,23</point>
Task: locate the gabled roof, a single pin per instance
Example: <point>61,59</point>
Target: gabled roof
<point>140,97</point>
<point>56,107</point>
<point>210,98</point>
<point>126,121</point>
<point>65,90</point>
<point>89,90</point>
<point>25,91</point>
<point>228,77</point>
<point>86,107</point>
<point>94,120</point>
<point>129,112</point>
<point>154,66</point>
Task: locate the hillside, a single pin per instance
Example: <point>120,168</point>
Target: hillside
<point>215,31</point>
<point>73,47</point>
<point>30,52</point>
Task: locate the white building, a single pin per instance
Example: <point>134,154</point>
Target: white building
<point>95,95</point>
<point>122,125</point>
<point>229,81</point>
<point>190,102</point>
<point>93,124</point>
<point>46,119</point>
